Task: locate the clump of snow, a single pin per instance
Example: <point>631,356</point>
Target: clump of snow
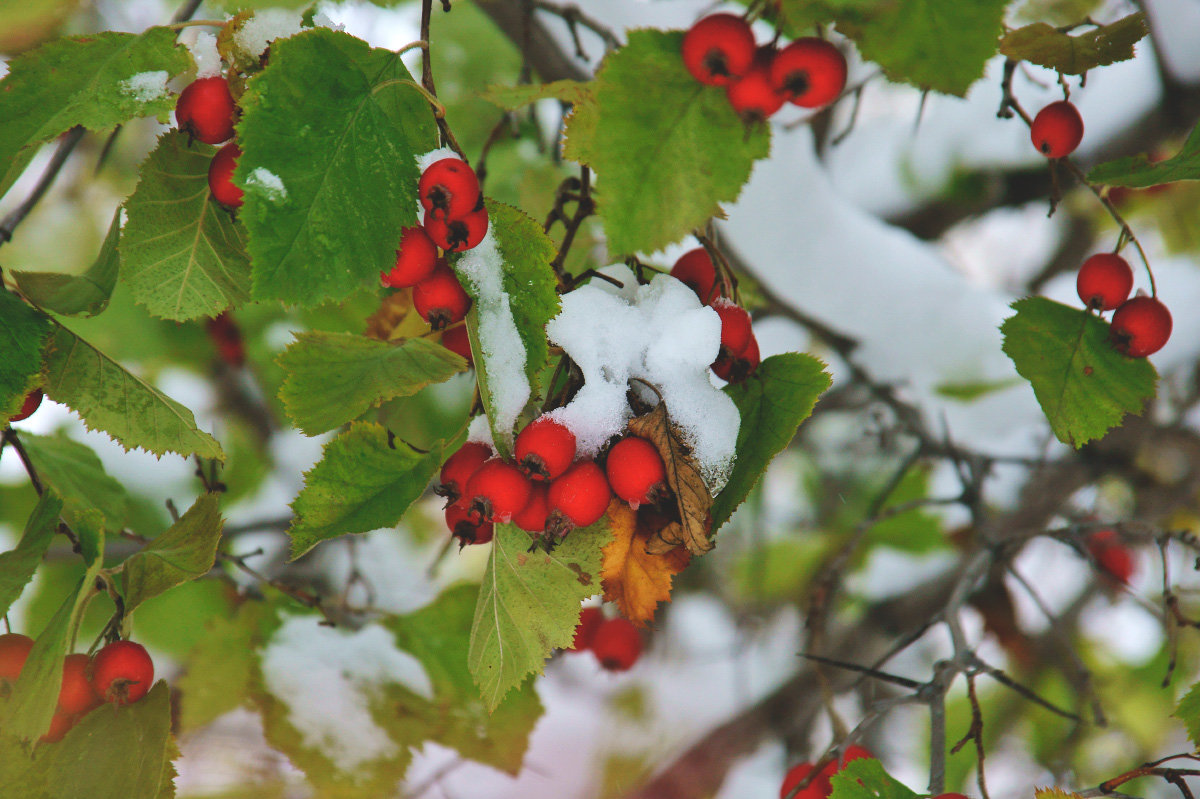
<point>204,52</point>
<point>265,27</point>
<point>480,432</point>
<point>268,184</point>
<point>321,20</point>
<point>664,336</point>
<point>328,678</point>
<point>146,87</point>
<point>426,160</point>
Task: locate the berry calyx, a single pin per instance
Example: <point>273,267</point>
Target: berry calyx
<point>205,109</point>
<point>448,189</point>
<point>122,672</point>
<point>497,490</point>
<point>696,271</point>
<point>465,528</point>
<point>736,330</point>
<point>532,517</point>
<point>1114,558</point>
<point>14,650</point>
<point>1140,327</point>
<point>590,620</point>
<point>578,497</point>
<point>455,339</point>
<point>457,470</point>
<point>440,298</point>
<point>1104,281</point>
<point>415,260</point>
<point>635,471</point>
<point>457,233</point>
<point>544,449</point>
<point>753,96</point>
<point>617,644</point>
<point>718,49</point>
<point>1057,130</point>
<point>220,176</point>
<point>810,72</point>
<point>33,401</point>
<point>76,696</point>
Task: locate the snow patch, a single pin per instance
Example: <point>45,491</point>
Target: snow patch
<point>204,52</point>
<point>265,27</point>
<point>268,184</point>
<point>146,87</point>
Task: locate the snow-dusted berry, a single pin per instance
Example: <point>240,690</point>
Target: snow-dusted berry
<point>448,189</point>
<point>497,490</point>
<point>205,109</point>
<point>457,233</point>
<point>736,330</point>
<point>545,448</point>
<point>696,271</point>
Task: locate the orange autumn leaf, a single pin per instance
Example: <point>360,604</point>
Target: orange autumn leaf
<point>633,578</point>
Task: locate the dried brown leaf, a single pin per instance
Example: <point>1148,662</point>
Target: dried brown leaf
<point>634,578</point>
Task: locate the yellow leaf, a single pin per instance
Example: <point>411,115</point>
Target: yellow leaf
<point>633,578</point>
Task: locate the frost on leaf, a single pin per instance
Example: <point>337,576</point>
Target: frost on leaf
<point>635,579</point>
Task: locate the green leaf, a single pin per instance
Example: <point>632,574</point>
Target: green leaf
<point>362,483</point>
<point>24,332</point>
<point>1137,172</point>
<point>1085,387</point>
<point>18,565</point>
<point>865,778</point>
<point>667,150</point>
<point>528,605</point>
<point>83,80</point>
<point>1049,47</point>
<point>186,551</point>
<point>579,128</point>
<point>77,295</point>
<point>772,402</point>
<point>510,98</point>
<point>329,133</point>
<point>796,18</point>
<point>971,390</point>
<point>109,398</point>
<point>333,378</point>
<point>182,255</point>
<point>76,474</point>
<point>939,45</point>
<point>1188,711</point>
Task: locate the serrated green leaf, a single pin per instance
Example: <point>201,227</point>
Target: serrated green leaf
<point>1085,387</point>
<point>579,128</point>
<point>362,483</point>
<point>27,24</point>
<point>667,151</point>
<point>109,398</point>
<point>796,18</point>
<point>186,551</point>
<point>772,402</point>
<point>18,565</point>
<point>78,476</point>
<point>939,45</point>
<point>77,295</point>
<point>1055,793</point>
<point>510,98</point>
<point>333,378</point>
<point>1188,711</point>
<point>329,133</point>
<point>528,605</point>
<point>83,80</point>
<point>24,332</point>
<point>1049,47</point>
<point>182,254</point>
<point>1137,172</point>
<point>865,778</point>
<point>971,390</point>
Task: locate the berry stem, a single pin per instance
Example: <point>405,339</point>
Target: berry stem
<point>427,79</point>
<point>418,44</point>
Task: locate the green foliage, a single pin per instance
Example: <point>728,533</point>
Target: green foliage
<point>23,334</point>
<point>1136,171</point>
<point>186,551</point>
<point>18,565</point>
<point>1188,711</point>
<point>329,133</point>
<point>778,571</point>
<point>1049,47</point>
<point>510,98</point>
<point>865,778</point>
<point>75,295</point>
<point>796,18</point>
<point>1084,386</point>
<point>76,474</point>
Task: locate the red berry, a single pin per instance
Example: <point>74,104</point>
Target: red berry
<point>753,96</point>
<point>695,269</point>
<point>718,49</point>
<point>457,233</point>
<point>466,529</point>
<point>810,72</point>
<point>1114,558</point>
<point>1057,130</point>
<point>415,260</point>
<point>440,298</point>
<point>1104,281</point>
<point>220,176</point>
<point>227,337</point>
<point>205,109</point>
<point>735,327</point>
<point>819,788</point>
<point>456,340</point>
<point>617,644</point>
<point>590,620</point>
<point>14,649</point>
<point>497,490</point>
<point>1140,327</point>
<point>448,189</point>
<point>544,449</point>
<point>852,752</point>
<point>458,468</point>
<point>578,497</point>
<point>60,724</point>
<point>736,368</point>
<point>122,672</point>
<point>635,471</point>
<point>33,401</point>
<point>76,695</point>
<point>532,517</point>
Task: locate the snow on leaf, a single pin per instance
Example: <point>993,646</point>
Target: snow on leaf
<point>1050,47</point>
<point>683,476</point>
<point>632,577</point>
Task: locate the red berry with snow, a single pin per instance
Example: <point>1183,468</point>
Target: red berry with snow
<point>810,72</point>
<point>415,260</point>
<point>545,448</point>
<point>617,644</point>
<point>33,401</point>
<point>455,339</point>
<point>1140,327</point>
<point>76,696</point>
<point>458,468</point>
<point>590,620</point>
<point>440,298</point>
<point>718,49</point>
<point>448,189</point>
<point>220,176</point>
<point>752,95</point>
<point>635,471</point>
<point>1104,281</point>
<point>1057,130</point>
<point>497,490</point>
<point>205,109</point>
<point>466,528</point>
<point>122,672</point>
<point>458,233</point>
<point>578,497</point>
<point>736,330</point>
<point>696,271</point>
<point>532,517</point>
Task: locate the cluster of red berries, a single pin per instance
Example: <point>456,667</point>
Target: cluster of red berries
<point>1114,558</point>
<point>819,787</point>
<point>1141,324</point>
<point>120,673</point>
<point>615,642</point>
<point>739,356</point>
<point>545,490</point>
<point>719,50</point>
<point>1057,130</point>
<point>206,110</point>
<point>33,400</point>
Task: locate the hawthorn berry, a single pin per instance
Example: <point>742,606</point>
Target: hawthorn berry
<point>718,49</point>
<point>466,529</point>
<point>736,330</point>
<point>455,339</point>
<point>544,449</point>
<point>1140,327</point>
<point>1114,558</point>
<point>457,470</point>
<point>440,298</point>
<point>122,672</point>
<point>532,517</point>
<point>736,368</point>
<point>205,109</point>
<point>448,189</point>
<point>415,260</point>
<point>497,490</point>
<point>60,724</point>
<point>76,696</point>
<point>696,271</point>
<point>590,620</point>
<point>226,336</point>
<point>14,650</point>
<point>635,471</point>
<point>33,401</point>
<point>818,788</point>
<point>851,752</point>
<point>578,497</point>
<point>617,644</point>
<point>220,176</point>
<point>1057,130</point>
<point>752,95</point>
<point>457,233</point>
<point>810,72</point>
<point>1104,281</point>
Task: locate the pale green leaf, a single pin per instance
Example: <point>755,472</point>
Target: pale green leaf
<point>1050,47</point>
<point>1137,171</point>
<point>24,332</point>
<point>18,565</point>
<point>75,472</point>
<point>186,551</point>
<point>865,778</point>
<point>77,295</point>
